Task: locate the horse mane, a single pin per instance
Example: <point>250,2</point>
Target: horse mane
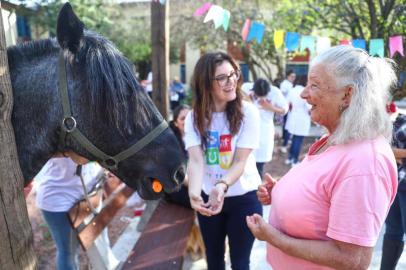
<point>109,75</point>
<point>112,83</point>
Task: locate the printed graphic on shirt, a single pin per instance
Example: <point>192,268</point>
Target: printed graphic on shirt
<point>219,150</point>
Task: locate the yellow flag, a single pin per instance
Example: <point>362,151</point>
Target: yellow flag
<point>278,38</point>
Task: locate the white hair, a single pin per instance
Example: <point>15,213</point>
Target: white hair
<point>372,79</point>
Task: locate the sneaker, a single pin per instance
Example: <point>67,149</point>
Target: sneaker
<point>293,164</point>
<point>284,150</point>
<point>288,161</point>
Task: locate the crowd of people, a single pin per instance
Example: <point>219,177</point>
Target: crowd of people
<point>327,211</point>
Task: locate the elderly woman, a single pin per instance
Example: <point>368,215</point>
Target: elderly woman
<point>328,210</point>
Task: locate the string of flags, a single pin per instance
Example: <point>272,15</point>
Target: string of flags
<point>253,30</point>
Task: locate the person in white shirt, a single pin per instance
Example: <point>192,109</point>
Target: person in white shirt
<point>221,133</point>
<point>58,189</point>
<point>269,101</point>
<point>285,87</point>
<point>298,122</point>
<point>149,86</point>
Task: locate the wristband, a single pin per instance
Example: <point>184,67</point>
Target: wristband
<point>222,182</point>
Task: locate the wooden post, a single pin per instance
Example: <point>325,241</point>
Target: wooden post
<point>16,245</point>
<point>160,55</point>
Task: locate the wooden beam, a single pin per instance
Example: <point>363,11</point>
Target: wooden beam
<point>16,245</point>
<point>160,56</point>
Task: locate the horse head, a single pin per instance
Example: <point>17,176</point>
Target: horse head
<point>107,104</point>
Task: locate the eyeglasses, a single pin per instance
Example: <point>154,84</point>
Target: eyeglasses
<point>223,80</point>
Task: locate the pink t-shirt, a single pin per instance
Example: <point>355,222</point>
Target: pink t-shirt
<point>343,193</point>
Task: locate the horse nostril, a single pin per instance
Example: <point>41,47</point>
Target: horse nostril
<point>179,175</point>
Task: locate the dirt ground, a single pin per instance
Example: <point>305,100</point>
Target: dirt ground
<point>43,242</point>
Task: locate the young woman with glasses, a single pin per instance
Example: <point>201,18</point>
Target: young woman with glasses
<point>220,134</point>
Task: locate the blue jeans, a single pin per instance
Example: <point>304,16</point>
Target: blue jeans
<point>396,219</point>
<point>231,222</point>
<point>295,148</point>
<point>285,132</point>
<point>65,238</point>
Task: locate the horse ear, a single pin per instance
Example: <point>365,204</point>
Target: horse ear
<point>69,29</point>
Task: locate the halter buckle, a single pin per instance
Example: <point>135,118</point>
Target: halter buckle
<point>69,124</point>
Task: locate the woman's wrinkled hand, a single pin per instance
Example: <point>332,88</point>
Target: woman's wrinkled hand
<point>260,228</point>
<point>265,189</point>
<point>216,199</point>
<point>200,206</point>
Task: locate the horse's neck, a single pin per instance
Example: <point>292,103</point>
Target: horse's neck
<point>35,121</point>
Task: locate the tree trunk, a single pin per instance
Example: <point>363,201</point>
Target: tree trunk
<point>16,245</point>
<point>160,55</point>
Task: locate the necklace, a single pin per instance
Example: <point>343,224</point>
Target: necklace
<point>321,147</point>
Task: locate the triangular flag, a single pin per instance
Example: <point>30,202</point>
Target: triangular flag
<point>278,38</point>
<point>396,45</point>
<point>307,42</point>
<point>245,29</point>
<point>345,42</point>
<point>162,2</point>
<point>359,43</point>
<point>203,9</point>
<point>323,43</point>
<point>216,14</point>
<point>256,31</point>
<point>292,41</point>
<point>376,47</point>
<point>226,19</point>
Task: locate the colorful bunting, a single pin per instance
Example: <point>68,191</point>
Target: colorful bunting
<point>396,45</point>
<point>256,31</point>
<point>278,38</point>
<point>245,29</point>
<point>292,41</point>
<point>307,42</point>
<point>359,43</point>
<point>216,13</point>
<point>203,9</point>
<point>323,43</point>
<point>345,42</point>
<point>226,19</point>
<point>376,47</point>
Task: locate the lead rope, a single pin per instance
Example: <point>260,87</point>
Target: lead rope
<point>86,195</point>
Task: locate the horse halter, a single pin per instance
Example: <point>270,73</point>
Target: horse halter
<point>68,127</point>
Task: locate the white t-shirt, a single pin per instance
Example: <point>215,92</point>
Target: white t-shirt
<point>221,147</point>
<point>59,188</point>
<point>148,87</point>
<point>285,87</point>
<point>266,142</point>
<point>298,122</point>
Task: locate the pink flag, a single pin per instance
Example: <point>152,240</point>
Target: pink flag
<point>246,29</point>
<point>396,45</point>
<point>201,10</point>
<point>345,42</point>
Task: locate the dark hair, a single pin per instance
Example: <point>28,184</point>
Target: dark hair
<point>174,128</point>
<point>203,105</point>
<point>300,80</point>
<point>289,72</point>
<point>261,87</point>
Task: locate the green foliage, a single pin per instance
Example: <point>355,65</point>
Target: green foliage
<point>91,12</point>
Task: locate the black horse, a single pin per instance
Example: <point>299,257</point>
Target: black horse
<point>107,103</point>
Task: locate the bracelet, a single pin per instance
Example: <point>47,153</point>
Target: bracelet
<point>222,182</point>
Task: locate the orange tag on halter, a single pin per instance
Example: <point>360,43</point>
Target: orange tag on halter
<point>156,186</point>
